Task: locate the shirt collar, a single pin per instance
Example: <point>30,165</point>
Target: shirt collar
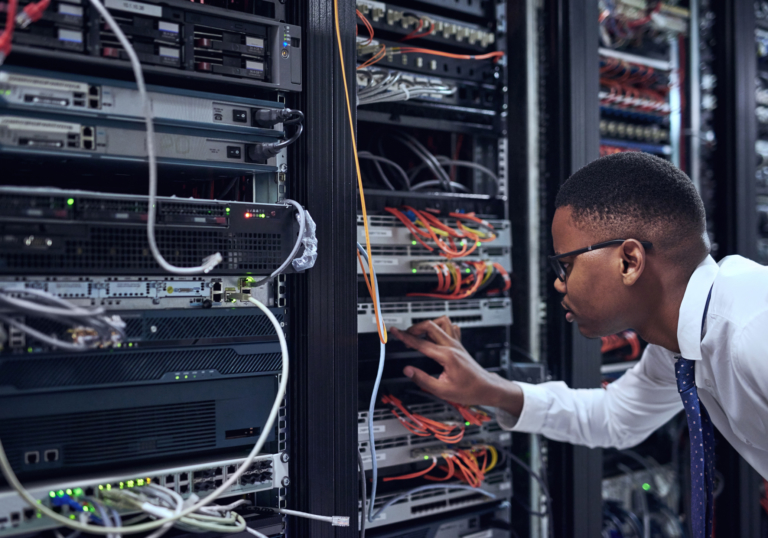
<point>692,309</point>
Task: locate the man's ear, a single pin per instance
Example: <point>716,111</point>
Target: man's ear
<point>633,259</point>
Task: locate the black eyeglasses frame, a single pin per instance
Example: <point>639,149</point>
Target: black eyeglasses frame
<point>554,261</point>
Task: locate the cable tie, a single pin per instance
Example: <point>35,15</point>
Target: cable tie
<point>340,521</point>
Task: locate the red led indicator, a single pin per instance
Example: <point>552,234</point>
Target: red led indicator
<point>248,215</point>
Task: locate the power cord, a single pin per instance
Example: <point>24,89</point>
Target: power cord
<point>264,150</point>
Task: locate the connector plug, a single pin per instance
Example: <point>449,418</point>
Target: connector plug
<point>269,117</point>
<point>340,521</point>
<point>261,152</point>
<point>23,19</point>
<point>32,13</point>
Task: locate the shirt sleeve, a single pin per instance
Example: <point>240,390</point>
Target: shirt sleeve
<point>620,416</point>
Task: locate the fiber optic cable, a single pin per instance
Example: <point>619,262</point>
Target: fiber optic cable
<point>380,326</point>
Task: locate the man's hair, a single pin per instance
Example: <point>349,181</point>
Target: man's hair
<point>635,195</point>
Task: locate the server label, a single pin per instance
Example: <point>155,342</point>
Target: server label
<point>135,7</point>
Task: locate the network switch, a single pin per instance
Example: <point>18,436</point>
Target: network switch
<point>410,448</point>
<point>443,30</point>
<point>485,522</point>
<point>176,41</point>
<point>154,328</point>
<point>265,473</point>
<point>469,313</point>
<point>63,232</point>
<point>184,413</point>
<point>65,93</point>
<point>55,136</point>
<point>440,501</point>
<point>388,230</point>
<point>147,292</point>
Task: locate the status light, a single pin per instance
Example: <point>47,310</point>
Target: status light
<point>70,201</point>
<point>647,486</point>
<point>426,457</point>
<point>60,493</point>
<point>69,492</point>
<point>52,494</point>
<point>467,423</point>
<point>78,491</point>
<point>140,482</point>
<point>248,215</point>
<point>413,270</point>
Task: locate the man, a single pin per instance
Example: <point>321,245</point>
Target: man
<point>648,269</point>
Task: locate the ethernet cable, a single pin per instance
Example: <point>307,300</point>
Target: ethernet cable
<point>169,518</point>
<point>214,259</point>
<point>302,216</point>
<point>363,492</point>
<point>377,383</point>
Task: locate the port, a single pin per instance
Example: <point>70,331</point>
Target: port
<point>94,91</point>
<point>93,103</point>
<point>87,144</point>
<point>79,95</point>
<point>89,491</point>
<point>88,131</point>
<point>170,479</point>
<point>231,469</point>
<point>38,142</point>
<point>234,152</point>
<point>184,488</point>
<point>15,518</point>
<point>183,476</point>
<point>206,473</point>
<point>29,513</point>
<point>32,457</point>
<point>79,102</point>
<point>52,455</point>
<point>217,292</point>
<point>218,482</point>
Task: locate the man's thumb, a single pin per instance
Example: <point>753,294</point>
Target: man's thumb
<point>421,378</point>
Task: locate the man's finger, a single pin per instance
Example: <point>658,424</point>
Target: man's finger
<point>457,332</point>
<point>430,349</point>
<point>423,380</point>
<point>444,322</point>
<point>435,333</point>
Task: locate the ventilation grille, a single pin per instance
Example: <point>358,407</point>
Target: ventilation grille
<point>106,367</point>
<point>86,206</point>
<point>16,203</point>
<point>107,249</point>
<point>99,437</point>
<point>209,210</point>
<point>215,324</point>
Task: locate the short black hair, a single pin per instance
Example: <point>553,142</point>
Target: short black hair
<point>640,196</point>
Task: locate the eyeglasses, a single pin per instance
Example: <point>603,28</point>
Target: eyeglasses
<point>554,261</point>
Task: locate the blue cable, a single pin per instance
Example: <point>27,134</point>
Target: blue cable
<point>374,395</point>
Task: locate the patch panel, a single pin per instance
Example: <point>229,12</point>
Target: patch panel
<point>483,71</point>
<point>446,31</point>
<point>56,232</point>
<point>469,313</point>
<point>387,426</point>
<point>388,230</point>
<point>652,134</point>
<point>267,472</point>
<point>483,522</point>
<point>440,501</point>
<point>411,448</point>
<point>176,41</point>
<point>64,93</point>
<point>147,292</point>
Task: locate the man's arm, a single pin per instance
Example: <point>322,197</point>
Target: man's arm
<point>621,416</point>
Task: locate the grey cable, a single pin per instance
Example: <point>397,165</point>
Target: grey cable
<point>229,188</point>
<point>428,487</point>
<point>437,182</point>
<point>378,159</point>
<point>55,342</point>
<point>363,493</point>
<point>446,161</point>
<point>299,239</point>
<point>539,479</point>
<point>424,154</point>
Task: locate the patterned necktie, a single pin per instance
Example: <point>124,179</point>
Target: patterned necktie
<point>702,450</point>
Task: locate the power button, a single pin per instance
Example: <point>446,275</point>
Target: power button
<point>284,53</point>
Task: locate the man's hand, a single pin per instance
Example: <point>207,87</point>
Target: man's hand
<point>463,380</point>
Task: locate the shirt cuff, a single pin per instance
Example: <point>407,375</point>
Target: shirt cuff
<point>535,406</point>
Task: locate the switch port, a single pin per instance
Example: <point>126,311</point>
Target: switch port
<point>52,455</point>
<point>32,457</point>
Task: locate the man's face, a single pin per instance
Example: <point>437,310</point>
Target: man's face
<point>593,293</point>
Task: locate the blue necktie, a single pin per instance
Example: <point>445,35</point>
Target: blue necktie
<point>702,450</point>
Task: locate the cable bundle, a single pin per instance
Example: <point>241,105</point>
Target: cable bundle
<point>632,86</point>
<point>381,86</point>
<point>451,285</point>
<point>617,29</point>
<point>90,327</point>
<point>447,432</point>
<point>463,464</point>
<point>426,225</point>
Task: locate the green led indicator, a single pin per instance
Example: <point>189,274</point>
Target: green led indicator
<point>72,516</point>
<point>70,201</point>
<point>130,483</point>
<point>39,515</point>
<point>413,270</point>
<point>140,482</point>
<point>463,242</point>
<point>426,457</point>
<point>130,344</point>
<point>413,242</point>
<point>233,301</point>
<point>109,486</point>
<point>467,423</point>
<point>177,377</point>
<point>78,492</point>
<point>468,270</point>
<point>250,279</point>
<point>122,485</point>
<point>60,493</point>
<point>227,211</point>
<point>52,494</point>
<point>29,350</point>
<point>69,492</point>
<point>101,486</point>
<point>647,486</point>
<point>186,377</point>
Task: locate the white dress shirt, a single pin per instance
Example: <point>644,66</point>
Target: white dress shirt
<point>731,374</point>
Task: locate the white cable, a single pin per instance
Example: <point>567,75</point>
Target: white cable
<point>301,212</point>
<point>214,259</point>
<point>13,481</point>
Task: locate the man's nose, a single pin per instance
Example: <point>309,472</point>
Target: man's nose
<point>559,286</point>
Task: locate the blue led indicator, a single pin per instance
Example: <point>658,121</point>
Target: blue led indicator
<point>285,43</point>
